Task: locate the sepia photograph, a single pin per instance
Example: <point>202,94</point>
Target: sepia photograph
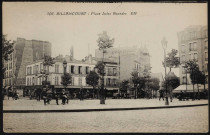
<point>127,67</point>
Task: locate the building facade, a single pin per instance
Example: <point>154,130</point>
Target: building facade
<point>129,59</point>
<point>193,45</point>
<point>9,70</point>
<point>77,69</point>
<point>25,52</point>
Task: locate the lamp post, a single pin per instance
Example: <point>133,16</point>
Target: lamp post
<point>164,45</point>
<point>64,66</point>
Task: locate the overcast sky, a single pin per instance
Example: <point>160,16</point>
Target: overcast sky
<point>148,27</point>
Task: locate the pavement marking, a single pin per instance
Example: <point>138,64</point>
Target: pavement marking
<point>105,109</point>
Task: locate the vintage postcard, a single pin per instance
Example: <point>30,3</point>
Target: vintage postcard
<point>104,67</point>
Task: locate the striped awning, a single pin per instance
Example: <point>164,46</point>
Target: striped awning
<point>190,88</point>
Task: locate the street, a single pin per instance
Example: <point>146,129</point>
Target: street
<point>190,119</point>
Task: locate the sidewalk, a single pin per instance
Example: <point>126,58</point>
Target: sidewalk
<point>26,105</point>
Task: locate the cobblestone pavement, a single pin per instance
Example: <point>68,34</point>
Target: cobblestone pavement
<point>192,119</point>
<point>26,104</point>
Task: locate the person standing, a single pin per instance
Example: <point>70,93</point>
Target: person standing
<point>161,95</point>
<point>81,93</point>
<point>63,97</point>
<point>56,98</point>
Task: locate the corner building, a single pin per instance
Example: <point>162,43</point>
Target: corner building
<point>25,52</point>
<point>193,45</point>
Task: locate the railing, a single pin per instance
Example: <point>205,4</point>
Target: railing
<point>206,59</point>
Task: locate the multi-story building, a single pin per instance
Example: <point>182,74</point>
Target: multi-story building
<point>77,69</point>
<point>25,52</point>
<point>193,45</point>
<point>129,59</point>
<point>9,70</point>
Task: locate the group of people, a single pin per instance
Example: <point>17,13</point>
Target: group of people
<point>10,92</point>
<point>47,97</point>
<point>162,95</point>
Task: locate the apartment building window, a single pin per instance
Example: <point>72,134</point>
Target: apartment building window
<point>56,68</point>
<point>80,81</point>
<point>72,69</point>
<point>37,69</point>
<point>30,70</point>
<point>39,81</point>
<point>206,67</point>
<point>109,82</point>
<point>206,56</point>
<point>56,80</point>
<point>110,71</point>
<point>34,69</point>
<point>80,69</point>
<point>195,56</point>
<point>114,82</point>
<point>41,67</point>
<point>114,71</point>
<point>87,70</point>
<point>190,46</point>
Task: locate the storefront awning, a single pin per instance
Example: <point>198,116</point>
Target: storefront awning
<point>112,88</point>
<point>190,88</point>
<point>84,87</point>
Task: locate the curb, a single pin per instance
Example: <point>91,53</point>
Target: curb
<point>96,110</point>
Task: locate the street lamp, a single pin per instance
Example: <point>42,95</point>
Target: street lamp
<point>64,67</point>
<point>164,45</point>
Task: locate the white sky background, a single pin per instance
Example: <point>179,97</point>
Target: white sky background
<point>152,22</point>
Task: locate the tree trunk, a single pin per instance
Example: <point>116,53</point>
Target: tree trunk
<point>198,92</point>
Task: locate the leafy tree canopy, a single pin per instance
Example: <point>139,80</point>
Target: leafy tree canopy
<point>172,61</point>
<point>92,78</point>
<point>100,66</point>
<point>66,79</point>
<point>48,61</point>
<point>104,41</point>
<point>124,86</point>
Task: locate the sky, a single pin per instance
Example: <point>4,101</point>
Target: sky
<point>153,21</point>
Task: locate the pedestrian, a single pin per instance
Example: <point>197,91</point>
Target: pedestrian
<point>38,94</point>
<point>63,97</point>
<point>56,98</point>
<point>81,93</point>
<point>44,93</point>
<point>161,95</point>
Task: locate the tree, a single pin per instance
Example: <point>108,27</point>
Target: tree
<point>124,86</point>
<point>100,68</point>
<point>154,85</point>
<point>139,82</point>
<point>7,49</point>
<point>66,79</point>
<point>172,61</point>
<point>48,61</point>
<point>104,42</point>
<point>172,81</point>
<point>92,79</point>
<point>192,68</point>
